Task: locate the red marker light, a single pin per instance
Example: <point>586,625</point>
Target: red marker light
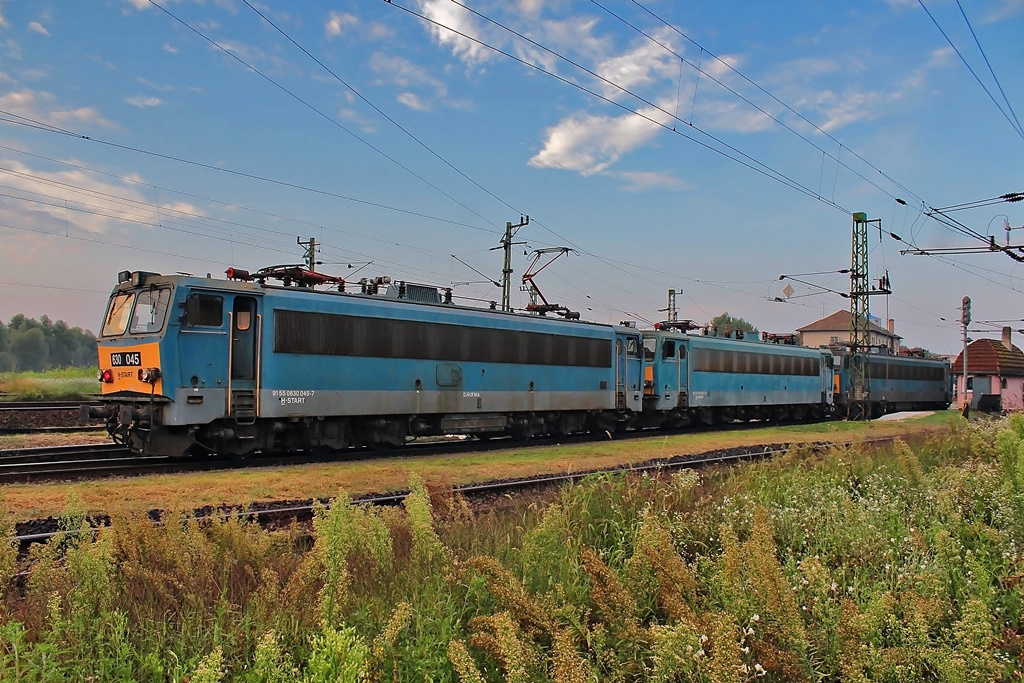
<point>105,376</point>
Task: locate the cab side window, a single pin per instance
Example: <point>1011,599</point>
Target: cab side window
<point>204,310</point>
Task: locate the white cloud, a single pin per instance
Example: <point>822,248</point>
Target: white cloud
<point>1008,9</point>
<point>170,48</point>
<point>366,125</point>
<point>849,107</point>
<point>451,18</point>
<point>38,28</point>
<point>590,144</point>
<point>38,105</point>
<point>143,101</point>
<point>338,22</point>
<point>378,30</point>
<point>413,102</point>
<point>640,181</point>
<point>404,73</point>
<point>49,201</point>
<point>139,4</point>
<point>409,76</point>
<point>646,63</point>
<point>150,84</point>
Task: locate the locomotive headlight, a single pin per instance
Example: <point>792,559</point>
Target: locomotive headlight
<point>105,376</point>
<point>149,375</point>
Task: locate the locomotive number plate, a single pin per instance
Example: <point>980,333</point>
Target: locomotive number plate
<point>126,359</point>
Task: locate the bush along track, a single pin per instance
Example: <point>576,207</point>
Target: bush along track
<point>854,564</point>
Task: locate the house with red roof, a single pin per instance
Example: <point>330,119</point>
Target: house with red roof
<point>834,330</point>
<point>995,369</point>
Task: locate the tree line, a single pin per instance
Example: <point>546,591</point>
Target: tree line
<point>30,344</point>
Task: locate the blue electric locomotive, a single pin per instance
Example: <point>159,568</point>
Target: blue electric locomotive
<point>192,365</point>
<point>692,379</point>
<point>893,383</point>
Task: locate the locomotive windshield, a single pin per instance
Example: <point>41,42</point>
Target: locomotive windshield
<point>137,312</point>
<point>150,310</point>
<point>118,312</point>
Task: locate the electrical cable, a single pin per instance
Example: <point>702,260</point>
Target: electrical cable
<point>242,174</point>
<point>1016,126</point>
<point>379,110</point>
<point>329,119</point>
<point>751,163</point>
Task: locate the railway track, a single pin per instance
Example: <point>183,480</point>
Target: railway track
<point>26,417</point>
<point>283,513</point>
<point>17,406</point>
<point>94,461</point>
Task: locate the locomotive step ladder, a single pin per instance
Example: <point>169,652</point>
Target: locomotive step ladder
<point>243,406</point>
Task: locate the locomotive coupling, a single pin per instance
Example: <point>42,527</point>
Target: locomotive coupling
<point>86,412</point>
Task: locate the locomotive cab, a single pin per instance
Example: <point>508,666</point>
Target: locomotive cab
<point>174,352</point>
<point>132,365</point>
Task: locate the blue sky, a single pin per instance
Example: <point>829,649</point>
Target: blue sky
<point>707,147</point>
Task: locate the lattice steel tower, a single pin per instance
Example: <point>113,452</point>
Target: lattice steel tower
<point>860,321</point>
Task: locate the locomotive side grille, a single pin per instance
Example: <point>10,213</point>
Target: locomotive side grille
<point>720,360</point>
<point>883,369</point>
<point>345,335</point>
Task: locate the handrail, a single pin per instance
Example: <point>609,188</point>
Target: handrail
<point>231,348</point>
<point>259,357</point>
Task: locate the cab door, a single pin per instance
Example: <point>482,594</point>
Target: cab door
<point>243,358</point>
<point>672,360</point>
<point>628,371</point>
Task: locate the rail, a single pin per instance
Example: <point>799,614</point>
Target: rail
<point>270,514</point>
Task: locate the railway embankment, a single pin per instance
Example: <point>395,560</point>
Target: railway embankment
<point>861,562</point>
<point>391,472</point>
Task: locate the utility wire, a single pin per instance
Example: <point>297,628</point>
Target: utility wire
<point>306,104</point>
<point>380,111</point>
<point>989,65</point>
<point>1013,123</point>
<point>905,190</point>
<point>702,72</point>
<point>221,169</point>
<point>746,160</point>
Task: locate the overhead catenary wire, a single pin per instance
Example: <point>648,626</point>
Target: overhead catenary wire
<point>1012,121</point>
<point>380,111</point>
<point>242,174</point>
<point>308,105</point>
<point>740,157</point>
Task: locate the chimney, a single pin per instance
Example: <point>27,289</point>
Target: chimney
<point>1006,338</point>
<point>892,326</point>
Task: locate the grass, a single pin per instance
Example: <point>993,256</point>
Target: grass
<point>899,564</point>
<point>241,486</point>
<point>66,383</point>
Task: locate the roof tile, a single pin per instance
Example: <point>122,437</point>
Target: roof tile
<point>990,357</point>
